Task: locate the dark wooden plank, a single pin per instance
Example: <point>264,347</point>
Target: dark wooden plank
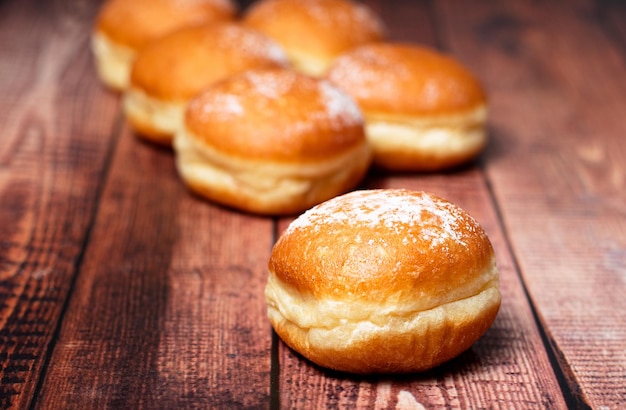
<point>51,167</point>
<point>611,15</point>
<point>558,173</point>
<point>168,310</point>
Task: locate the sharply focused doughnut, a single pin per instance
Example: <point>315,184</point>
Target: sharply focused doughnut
<point>271,142</point>
<point>382,281</point>
<point>124,26</point>
<point>314,32</point>
<point>168,72</point>
<point>423,110</point>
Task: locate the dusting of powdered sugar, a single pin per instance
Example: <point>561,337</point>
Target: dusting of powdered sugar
<point>229,104</point>
<point>339,106</point>
<point>370,71</point>
<point>248,42</point>
<point>270,84</point>
<point>217,105</point>
<point>348,14</point>
<point>398,210</point>
<point>336,106</point>
<point>272,89</point>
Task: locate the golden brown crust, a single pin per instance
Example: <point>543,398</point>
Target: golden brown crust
<point>272,142</point>
<point>277,115</point>
<point>382,281</point>
<point>388,239</point>
<point>314,32</point>
<point>423,110</point>
<point>135,23</point>
<point>406,79</point>
<point>181,64</point>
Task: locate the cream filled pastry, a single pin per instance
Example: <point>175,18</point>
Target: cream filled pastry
<point>272,142</point>
<point>423,110</point>
<point>382,281</point>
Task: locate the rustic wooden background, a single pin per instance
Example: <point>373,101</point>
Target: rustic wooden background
<point>120,289</point>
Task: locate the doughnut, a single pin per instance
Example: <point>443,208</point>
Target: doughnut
<point>122,27</point>
<point>168,72</point>
<point>382,281</point>
<point>271,142</point>
<point>423,110</point>
<point>314,32</point>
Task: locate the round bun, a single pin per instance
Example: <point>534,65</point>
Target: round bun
<point>314,32</point>
<point>123,27</point>
<point>272,142</point>
<point>382,281</point>
<point>170,71</point>
<point>423,110</point>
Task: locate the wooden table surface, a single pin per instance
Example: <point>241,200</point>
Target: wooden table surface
<point>120,289</point>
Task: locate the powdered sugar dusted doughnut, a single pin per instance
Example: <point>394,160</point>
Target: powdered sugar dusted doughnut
<point>424,111</point>
<point>123,27</point>
<point>382,281</point>
<point>314,32</point>
<point>168,72</point>
<point>272,142</point>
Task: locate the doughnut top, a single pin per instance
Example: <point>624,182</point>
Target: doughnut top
<point>392,245</point>
<point>134,23</point>
<point>322,27</point>
<point>184,62</point>
<point>276,114</point>
<point>406,79</point>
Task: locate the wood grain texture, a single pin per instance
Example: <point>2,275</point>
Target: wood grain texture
<point>168,310</point>
<point>51,165</point>
<point>558,172</point>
